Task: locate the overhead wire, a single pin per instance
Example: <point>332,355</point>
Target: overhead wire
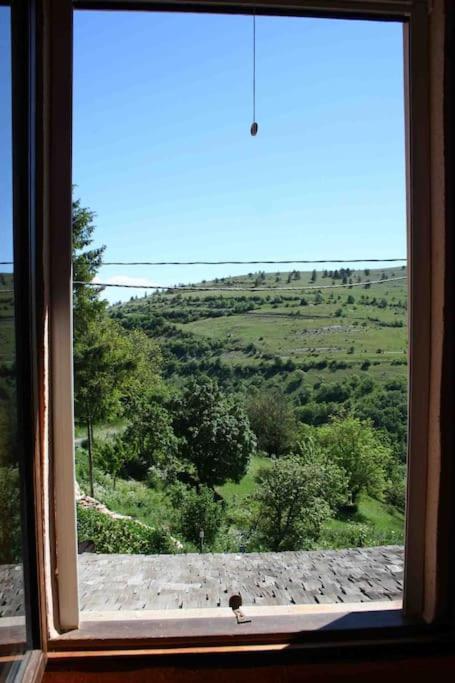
<point>240,263</point>
<point>184,288</point>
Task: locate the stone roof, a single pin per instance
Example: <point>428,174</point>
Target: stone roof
<point>150,582</point>
<point>137,582</point>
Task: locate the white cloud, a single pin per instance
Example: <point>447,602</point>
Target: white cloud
<point>113,294</point>
<point>125,280</point>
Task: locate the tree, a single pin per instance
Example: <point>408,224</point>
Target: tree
<point>144,378</point>
<point>86,263</point>
<point>111,367</point>
<point>151,439</point>
<point>113,455</point>
<point>102,363</point>
<point>290,505</point>
<point>215,432</point>
<point>199,512</point>
<point>333,481</point>
<point>357,448</point>
<point>313,276</point>
<point>387,410</point>
<point>272,420</point>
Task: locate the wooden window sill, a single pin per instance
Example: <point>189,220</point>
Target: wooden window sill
<point>303,626</point>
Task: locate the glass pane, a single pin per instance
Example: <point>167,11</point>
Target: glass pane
<point>12,620</point>
<point>250,424</point>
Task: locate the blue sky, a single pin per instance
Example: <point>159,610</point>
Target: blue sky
<point>162,150</point>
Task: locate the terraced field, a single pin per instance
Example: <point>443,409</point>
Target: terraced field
<point>320,323</point>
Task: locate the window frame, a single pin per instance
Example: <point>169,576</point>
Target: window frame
<point>426,557</point>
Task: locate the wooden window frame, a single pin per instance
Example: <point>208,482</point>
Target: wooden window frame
<point>427,596</point>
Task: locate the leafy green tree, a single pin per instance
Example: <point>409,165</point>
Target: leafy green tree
<point>333,480</point>
<point>272,420</point>
<point>215,432</point>
<point>112,368</point>
<point>102,365</point>
<point>112,456</point>
<point>151,439</point>
<point>86,263</point>
<point>290,505</point>
<point>144,379</point>
<point>357,448</point>
<point>387,409</point>
<point>199,511</point>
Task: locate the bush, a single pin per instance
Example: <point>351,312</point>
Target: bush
<point>121,535</point>
<point>395,493</point>
<point>290,504</point>
<point>199,511</point>
<point>10,527</point>
<point>272,419</point>
<point>358,535</point>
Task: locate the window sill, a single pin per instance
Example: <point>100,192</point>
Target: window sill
<point>295,627</point>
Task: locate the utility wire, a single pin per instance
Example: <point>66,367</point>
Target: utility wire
<point>238,263</point>
<point>246,263</point>
<point>184,288</point>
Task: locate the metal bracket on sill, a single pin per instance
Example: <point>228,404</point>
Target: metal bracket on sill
<point>235,602</point>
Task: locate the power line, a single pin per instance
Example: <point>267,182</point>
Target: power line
<point>247,263</point>
<point>184,288</point>
<point>240,263</point>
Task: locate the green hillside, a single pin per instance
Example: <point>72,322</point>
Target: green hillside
<point>330,341</point>
<point>268,383</point>
<point>323,330</point>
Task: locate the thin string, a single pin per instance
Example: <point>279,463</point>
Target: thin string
<point>254,67</point>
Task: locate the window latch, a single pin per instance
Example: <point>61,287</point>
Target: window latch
<point>235,603</point>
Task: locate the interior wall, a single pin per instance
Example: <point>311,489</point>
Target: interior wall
<point>266,668</point>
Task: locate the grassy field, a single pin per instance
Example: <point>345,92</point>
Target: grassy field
<point>374,522</point>
<point>234,493</point>
<point>302,321</point>
<point>371,512</point>
<point>298,332</point>
<point>383,517</point>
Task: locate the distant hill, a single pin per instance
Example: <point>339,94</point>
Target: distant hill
<point>322,322</point>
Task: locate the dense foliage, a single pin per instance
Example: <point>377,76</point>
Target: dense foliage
<point>214,431</point>
<point>10,537</point>
<point>191,403</point>
<point>120,535</point>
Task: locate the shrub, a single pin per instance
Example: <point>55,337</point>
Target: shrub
<point>272,419</point>
<point>358,449</point>
<point>290,504</point>
<point>395,493</point>
<point>121,535</point>
<point>358,535</point>
<point>10,527</point>
<point>199,511</point>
